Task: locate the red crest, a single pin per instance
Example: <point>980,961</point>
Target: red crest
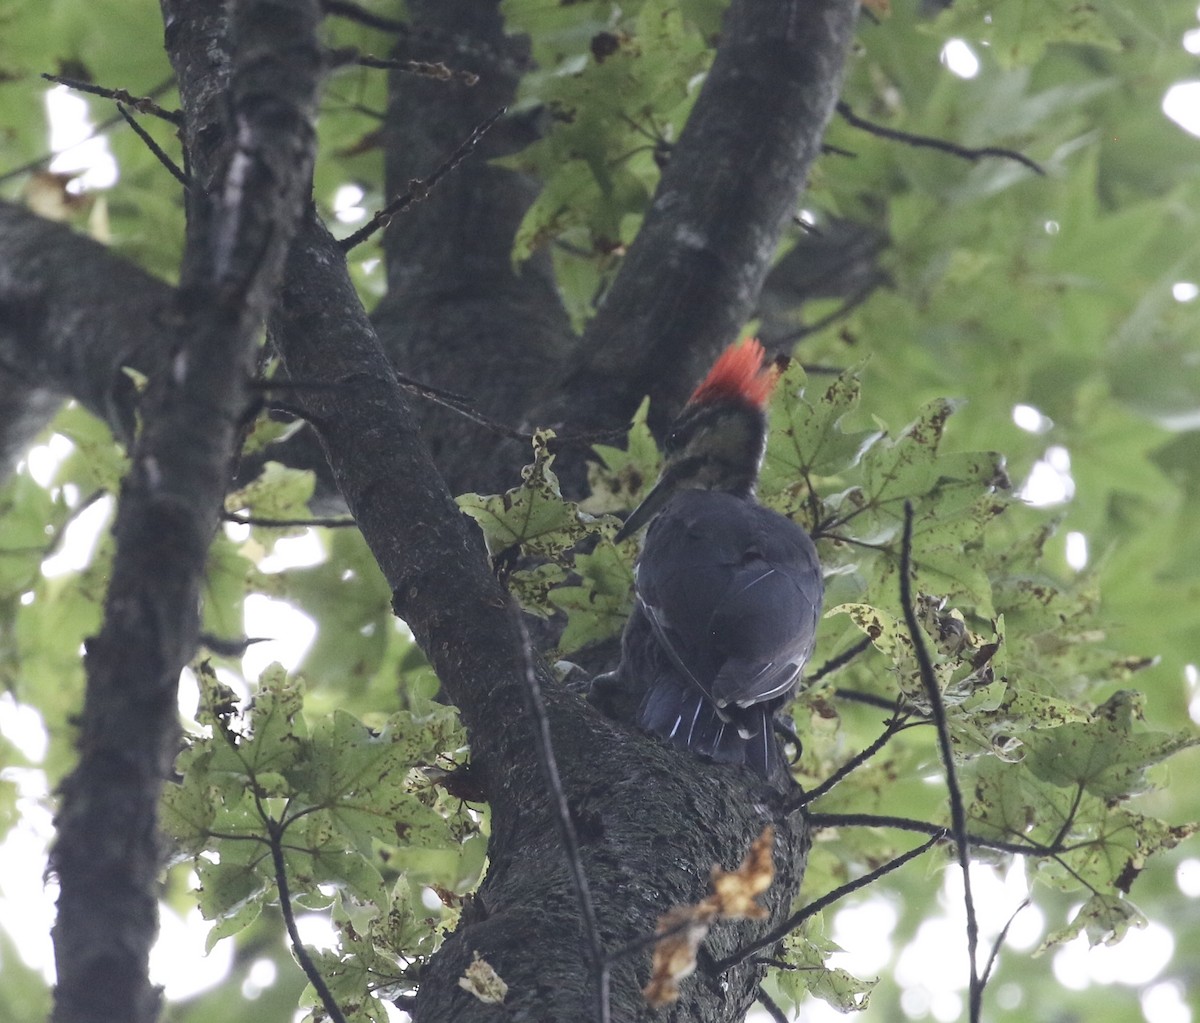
<point>739,374</point>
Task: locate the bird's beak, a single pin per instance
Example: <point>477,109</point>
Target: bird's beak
<point>667,484</point>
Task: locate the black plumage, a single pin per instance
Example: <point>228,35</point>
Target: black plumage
<point>727,592</point>
<point>726,604</point>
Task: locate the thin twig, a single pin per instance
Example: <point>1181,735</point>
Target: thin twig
<point>840,661</point>
<point>821,821</point>
<point>96,132</point>
<point>999,942</point>
<point>868,699</point>
<point>893,726</point>
<point>646,940</point>
<point>419,188</point>
<point>142,104</point>
<point>958,813</point>
<point>928,142</point>
<point>240,519</point>
<point>176,171</point>
<point>275,831</point>
<point>845,309</point>
<point>570,840</point>
<point>424,68</point>
<point>797,918</point>
<point>768,1003</point>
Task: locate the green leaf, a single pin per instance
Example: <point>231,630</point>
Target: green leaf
<point>596,608</point>
<point>624,475</point>
<point>532,518</point>
<point>1104,918</point>
<point>1105,755</point>
<point>1019,32</point>
<point>278,492</point>
<point>810,974</point>
<point>810,441</point>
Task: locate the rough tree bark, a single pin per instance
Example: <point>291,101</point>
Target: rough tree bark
<point>651,822</point>
<point>107,855</point>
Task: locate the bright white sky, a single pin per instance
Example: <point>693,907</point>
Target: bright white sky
<point>863,928</point>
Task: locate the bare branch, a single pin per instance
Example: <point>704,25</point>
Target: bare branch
<point>356,12</point>
<point>341,522</point>
<point>840,661</point>
<point>275,833</point>
<point>813,908</point>
<point>958,813</point>
<point>999,942</point>
<point>927,142</point>
<point>419,188</point>
<point>893,726</point>
<point>772,1010</point>
<point>176,171</point>
<point>424,68</point>
<point>142,104</point>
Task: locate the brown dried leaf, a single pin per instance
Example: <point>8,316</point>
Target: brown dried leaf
<point>483,982</point>
<point>734,891</point>
<point>685,927</point>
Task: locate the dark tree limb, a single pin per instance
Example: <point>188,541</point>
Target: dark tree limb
<point>692,277</point>
<point>457,313</point>
<point>107,855</point>
<point>72,315</point>
<point>628,796</point>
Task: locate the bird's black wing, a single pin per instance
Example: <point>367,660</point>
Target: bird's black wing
<point>764,626</point>
<point>733,591</point>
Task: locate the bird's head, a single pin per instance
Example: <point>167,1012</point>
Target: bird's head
<point>717,441</point>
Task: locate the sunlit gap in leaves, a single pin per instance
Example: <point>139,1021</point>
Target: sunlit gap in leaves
<point>1182,105</point>
<point>77,545</point>
<point>26,900</point>
<point>1140,957</point>
<point>347,204</point>
<point>939,993</point>
<point>1164,1003</point>
<point>287,632</point>
<point>1191,675</point>
<point>178,961</point>
<point>76,148</point>
<point>960,59</point>
<point>1049,481</point>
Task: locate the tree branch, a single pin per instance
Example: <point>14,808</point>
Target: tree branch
<point>928,142</point>
<point>526,921</point>
<point>107,852</point>
<point>813,908</point>
<point>692,277</point>
<point>457,313</point>
<point>958,813</point>
<point>73,314</point>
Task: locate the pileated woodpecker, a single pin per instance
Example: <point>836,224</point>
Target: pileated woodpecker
<point>727,591</point>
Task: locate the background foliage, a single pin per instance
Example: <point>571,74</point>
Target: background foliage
<point>997,288</point>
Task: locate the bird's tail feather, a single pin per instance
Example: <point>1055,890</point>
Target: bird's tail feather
<point>677,711</point>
